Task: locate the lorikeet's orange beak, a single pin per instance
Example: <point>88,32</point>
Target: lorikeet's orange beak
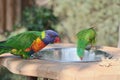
<point>57,40</point>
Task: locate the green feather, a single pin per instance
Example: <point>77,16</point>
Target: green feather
<point>81,44</point>
<point>23,40</point>
<point>20,42</point>
<point>84,38</point>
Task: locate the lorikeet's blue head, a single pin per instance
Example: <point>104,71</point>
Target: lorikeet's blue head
<point>51,37</point>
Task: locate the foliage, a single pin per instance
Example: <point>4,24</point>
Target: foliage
<point>81,14</point>
<point>6,75</point>
<point>38,18</point>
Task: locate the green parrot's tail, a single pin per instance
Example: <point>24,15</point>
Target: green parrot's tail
<point>4,49</point>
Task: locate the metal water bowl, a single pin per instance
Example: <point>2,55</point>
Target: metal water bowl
<point>70,55</point>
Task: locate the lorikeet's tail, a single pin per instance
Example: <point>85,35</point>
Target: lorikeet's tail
<point>3,48</point>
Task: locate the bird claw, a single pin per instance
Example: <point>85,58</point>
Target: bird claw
<point>35,56</point>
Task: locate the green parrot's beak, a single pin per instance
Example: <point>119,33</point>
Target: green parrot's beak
<point>81,58</point>
<point>57,40</point>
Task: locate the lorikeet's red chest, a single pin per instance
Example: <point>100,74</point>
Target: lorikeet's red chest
<point>37,45</point>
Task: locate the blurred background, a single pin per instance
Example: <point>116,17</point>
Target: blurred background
<point>67,17</point>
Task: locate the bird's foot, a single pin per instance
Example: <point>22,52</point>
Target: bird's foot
<point>35,56</point>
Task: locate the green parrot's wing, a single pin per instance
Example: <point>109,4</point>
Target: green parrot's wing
<point>81,34</point>
<point>84,38</point>
<point>23,40</point>
<point>87,35</point>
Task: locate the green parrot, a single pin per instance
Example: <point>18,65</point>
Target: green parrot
<point>27,43</point>
<point>84,38</point>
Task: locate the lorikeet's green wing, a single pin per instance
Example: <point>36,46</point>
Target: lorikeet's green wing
<point>20,42</point>
<point>84,38</point>
<point>23,40</point>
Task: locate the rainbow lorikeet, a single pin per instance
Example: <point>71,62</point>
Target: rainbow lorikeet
<point>27,43</point>
<point>84,38</point>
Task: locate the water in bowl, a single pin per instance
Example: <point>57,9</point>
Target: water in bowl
<point>70,55</point>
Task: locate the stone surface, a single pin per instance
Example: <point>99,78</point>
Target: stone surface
<point>65,71</point>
